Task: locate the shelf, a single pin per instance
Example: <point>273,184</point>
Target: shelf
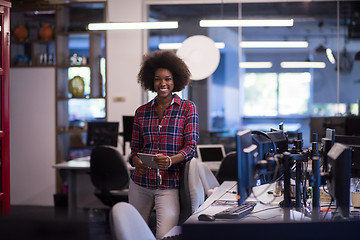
<point>83,98</point>
<point>32,66</point>
<point>33,41</point>
<point>32,53</point>
<point>79,32</point>
<point>70,66</point>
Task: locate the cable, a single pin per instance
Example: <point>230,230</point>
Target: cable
<point>328,209</point>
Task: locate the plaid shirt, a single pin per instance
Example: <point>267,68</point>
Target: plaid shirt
<point>178,132</point>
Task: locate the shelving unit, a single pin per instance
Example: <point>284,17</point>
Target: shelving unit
<point>70,36</point>
<point>78,53</point>
<point>33,51</point>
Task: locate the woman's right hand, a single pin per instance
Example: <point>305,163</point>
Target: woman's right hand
<point>139,166</point>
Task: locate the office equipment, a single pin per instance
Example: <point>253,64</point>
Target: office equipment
<point>354,143</point>
<point>246,164</point>
<point>267,208</point>
<point>102,133</point>
<point>210,152</point>
<point>128,122</point>
<point>236,212</point>
<point>109,174</point>
<point>269,143</point>
<point>127,223</point>
<point>339,160</point>
<point>349,125</point>
<point>321,230</point>
<point>147,159</point>
<point>206,217</point>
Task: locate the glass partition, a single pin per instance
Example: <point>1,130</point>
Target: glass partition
<point>258,87</point>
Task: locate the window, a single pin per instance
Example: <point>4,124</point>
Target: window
<point>274,94</point>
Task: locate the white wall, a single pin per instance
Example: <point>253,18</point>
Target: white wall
<point>123,58</point>
<point>32,136</point>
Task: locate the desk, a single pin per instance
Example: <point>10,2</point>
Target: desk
<point>267,210</point>
<point>74,167</point>
<point>82,165</point>
<point>265,222</point>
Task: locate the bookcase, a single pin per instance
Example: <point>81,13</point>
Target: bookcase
<point>80,77</point>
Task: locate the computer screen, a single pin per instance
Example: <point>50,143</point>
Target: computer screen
<point>354,143</point>
<point>128,122</point>
<point>338,183</point>
<point>102,133</point>
<point>210,152</point>
<point>246,158</point>
<point>349,125</point>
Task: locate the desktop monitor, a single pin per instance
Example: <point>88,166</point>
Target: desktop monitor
<point>247,157</point>
<point>128,122</point>
<point>210,152</point>
<point>338,183</point>
<point>354,143</point>
<point>349,125</point>
<point>102,133</point>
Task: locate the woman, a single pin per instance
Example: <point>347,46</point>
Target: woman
<point>167,126</point>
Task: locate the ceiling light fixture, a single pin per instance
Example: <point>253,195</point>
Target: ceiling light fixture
<point>255,64</point>
<point>169,46</point>
<point>330,56</point>
<point>247,23</point>
<point>302,64</point>
<point>133,25</point>
<point>274,44</point>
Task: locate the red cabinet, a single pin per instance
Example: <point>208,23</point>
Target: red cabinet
<point>4,108</point>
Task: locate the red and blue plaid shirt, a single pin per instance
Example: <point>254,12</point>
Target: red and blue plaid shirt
<point>178,132</point>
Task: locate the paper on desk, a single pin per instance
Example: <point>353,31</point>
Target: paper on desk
<point>225,202</point>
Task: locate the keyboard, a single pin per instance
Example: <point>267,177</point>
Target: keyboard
<point>173,237</point>
<point>236,212</point>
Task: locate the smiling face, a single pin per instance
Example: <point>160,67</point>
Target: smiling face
<point>163,83</point>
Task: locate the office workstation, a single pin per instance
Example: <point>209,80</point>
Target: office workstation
<point>236,96</point>
<point>294,211</point>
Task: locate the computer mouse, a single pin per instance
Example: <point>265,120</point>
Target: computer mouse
<point>206,217</point>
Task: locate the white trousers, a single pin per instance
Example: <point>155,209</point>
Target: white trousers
<point>165,202</point>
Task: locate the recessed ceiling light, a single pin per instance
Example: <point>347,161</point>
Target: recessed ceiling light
<point>274,44</point>
<point>247,23</point>
<point>133,25</point>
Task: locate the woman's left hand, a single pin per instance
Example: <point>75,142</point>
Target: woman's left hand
<point>162,161</point>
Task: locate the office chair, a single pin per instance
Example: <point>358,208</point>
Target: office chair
<point>196,183</point>
<point>228,168</point>
<point>126,223</point>
<point>109,174</point>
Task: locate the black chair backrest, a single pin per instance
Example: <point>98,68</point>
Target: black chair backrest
<point>228,168</point>
<point>108,169</point>
<point>184,194</point>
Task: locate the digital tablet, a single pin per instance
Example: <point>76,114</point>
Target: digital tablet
<point>147,159</point>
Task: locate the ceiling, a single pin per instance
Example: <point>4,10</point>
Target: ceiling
<point>312,19</point>
<point>315,18</point>
<point>253,10</point>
